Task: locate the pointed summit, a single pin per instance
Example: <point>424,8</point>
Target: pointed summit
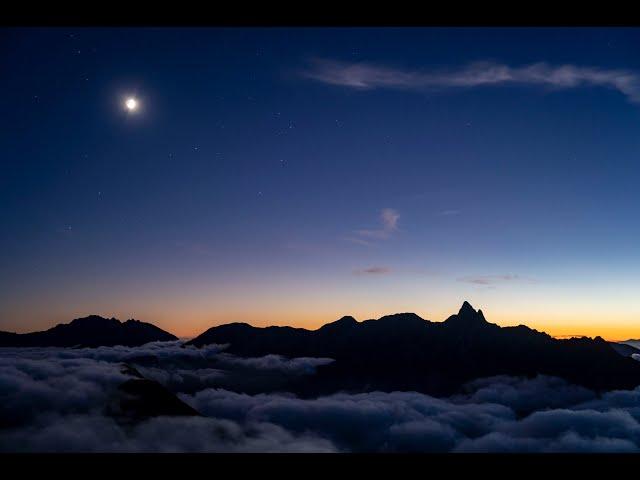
<point>467,316</point>
<point>466,309</point>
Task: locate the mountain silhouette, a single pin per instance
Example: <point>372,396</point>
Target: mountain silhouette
<point>405,352</point>
<point>91,331</point>
<point>138,399</point>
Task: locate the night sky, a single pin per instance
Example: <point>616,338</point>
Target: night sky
<point>293,176</point>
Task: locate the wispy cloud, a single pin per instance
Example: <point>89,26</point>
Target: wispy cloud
<point>359,241</point>
<point>390,219</point>
<point>373,271</point>
<point>494,279</point>
<point>388,225</point>
<point>364,76</point>
<point>448,213</point>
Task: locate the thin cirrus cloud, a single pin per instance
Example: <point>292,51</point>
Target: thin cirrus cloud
<point>373,271</point>
<point>493,279</point>
<point>367,76</point>
<point>388,225</point>
<point>449,213</point>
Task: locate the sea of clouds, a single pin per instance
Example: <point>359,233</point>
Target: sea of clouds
<point>53,400</point>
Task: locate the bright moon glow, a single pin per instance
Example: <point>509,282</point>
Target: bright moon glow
<point>131,104</point>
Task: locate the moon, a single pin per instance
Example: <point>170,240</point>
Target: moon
<point>131,104</point>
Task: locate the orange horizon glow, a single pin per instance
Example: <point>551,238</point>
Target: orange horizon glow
<point>192,325</point>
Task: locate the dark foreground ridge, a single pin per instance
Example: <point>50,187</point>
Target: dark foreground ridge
<point>91,331</point>
<point>139,399</point>
<point>407,353</point>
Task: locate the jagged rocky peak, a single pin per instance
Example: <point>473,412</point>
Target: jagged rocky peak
<point>467,315</point>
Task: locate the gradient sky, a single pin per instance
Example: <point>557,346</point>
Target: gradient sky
<point>292,176</point>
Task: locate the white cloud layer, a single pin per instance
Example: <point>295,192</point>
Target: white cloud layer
<point>364,76</point>
<point>53,400</point>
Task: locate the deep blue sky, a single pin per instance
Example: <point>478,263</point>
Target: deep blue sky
<point>240,188</point>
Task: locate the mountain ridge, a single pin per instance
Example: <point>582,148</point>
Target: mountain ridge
<point>89,331</point>
<point>405,352</point>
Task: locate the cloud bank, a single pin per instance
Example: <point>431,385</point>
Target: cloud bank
<point>53,400</point>
<point>368,76</point>
<point>567,418</point>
